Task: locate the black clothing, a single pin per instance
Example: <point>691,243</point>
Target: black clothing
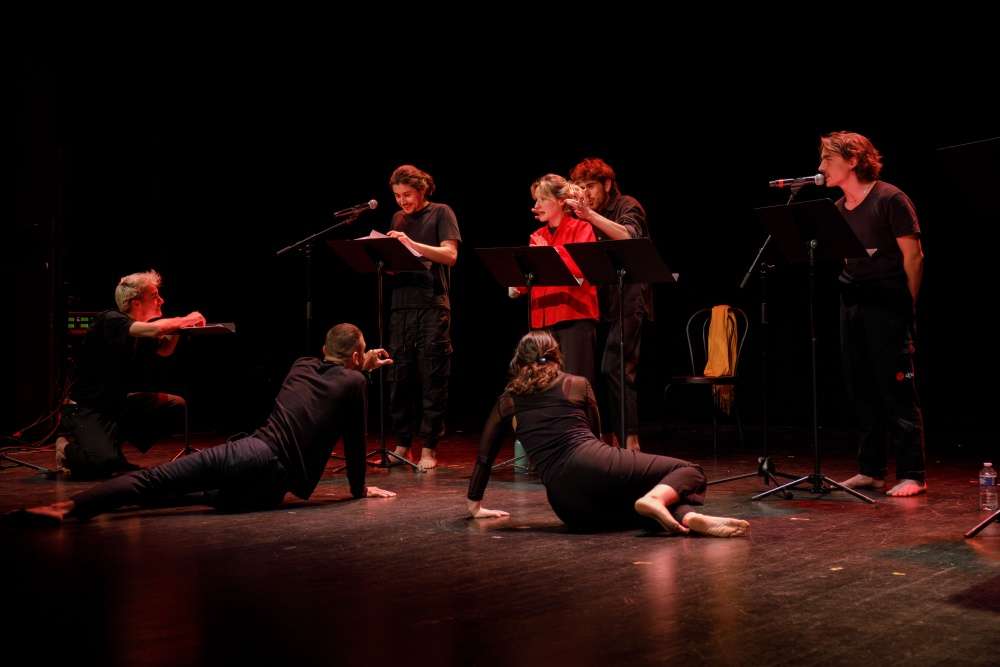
<point>102,414</point>
<point>420,347</point>
<point>431,225</point>
<point>577,339</point>
<point>588,484</point>
<point>638,299</point>
<point>420,331</point>
<point>319,402</point>
<point>107,362</point>
<point>882,217</point>
<point>876,325</point>
<point>96,437</point>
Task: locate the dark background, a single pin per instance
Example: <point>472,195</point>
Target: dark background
<point>203,163</point>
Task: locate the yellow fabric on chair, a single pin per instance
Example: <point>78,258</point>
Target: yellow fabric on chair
<point>722,354</point>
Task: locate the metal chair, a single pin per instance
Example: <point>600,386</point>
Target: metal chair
<point>697,340</point>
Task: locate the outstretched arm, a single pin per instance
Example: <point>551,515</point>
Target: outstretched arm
<point>496,430</point>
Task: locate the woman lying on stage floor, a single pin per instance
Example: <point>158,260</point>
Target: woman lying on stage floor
<point>589,484</point>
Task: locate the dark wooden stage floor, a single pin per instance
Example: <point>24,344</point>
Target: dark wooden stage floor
<point>411,580</point>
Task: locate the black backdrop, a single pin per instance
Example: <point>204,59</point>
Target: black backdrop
<point>203,165</point>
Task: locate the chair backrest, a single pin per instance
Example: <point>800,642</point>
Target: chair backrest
<point>697,330</point>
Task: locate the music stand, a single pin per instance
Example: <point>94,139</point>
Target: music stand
<point>766,468</point>
<point>617,263</point>
<point>802,229</point>
<point>378,255</point>
<point>526,266</point>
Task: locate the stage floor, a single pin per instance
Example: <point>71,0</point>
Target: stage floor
<point>411,580</point>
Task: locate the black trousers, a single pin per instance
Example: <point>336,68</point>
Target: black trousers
<point>420,346</point>
<point>610,371</point>
<point>96,437</point>
<point>877,353</point>
<point>598,485</point>
<point>577,339</point>
<point>242,475</point>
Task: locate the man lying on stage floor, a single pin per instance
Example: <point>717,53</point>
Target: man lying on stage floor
<point>320,401</point>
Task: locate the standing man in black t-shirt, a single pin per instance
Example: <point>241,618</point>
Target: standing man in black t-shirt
<point>617,217</point>
<point>878,300</point>
<point>420,317</point>
<point>320,402</point>
<point>101,413</point>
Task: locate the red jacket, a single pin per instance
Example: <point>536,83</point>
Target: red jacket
<point>551,305</point>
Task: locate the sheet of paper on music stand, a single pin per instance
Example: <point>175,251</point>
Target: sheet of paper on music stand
<point>375,234</point>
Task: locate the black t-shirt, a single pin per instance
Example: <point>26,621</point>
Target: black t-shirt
<point>551,423</point>
<point>107,362</point>
<point>319,402</point>
<point>425,289</point>
<point>628,212</point>
<point>884,215</point>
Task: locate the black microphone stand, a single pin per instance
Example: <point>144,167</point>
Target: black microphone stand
<point>305,247</point>
<point>765,467</point>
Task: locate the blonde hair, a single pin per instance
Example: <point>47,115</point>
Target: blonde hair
<point>554,186</point>
<point>130,287</point>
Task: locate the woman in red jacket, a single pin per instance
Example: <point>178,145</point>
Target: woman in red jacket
<point>569,312</point>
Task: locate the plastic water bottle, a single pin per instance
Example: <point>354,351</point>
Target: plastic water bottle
<point>988,488</point>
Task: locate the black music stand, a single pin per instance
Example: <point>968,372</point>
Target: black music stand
<point>617,263</point>
<point>378,255</point>
<point>526,266</point>
<point>801,230</point>
<point>208,330</point>
<point>766,468</point>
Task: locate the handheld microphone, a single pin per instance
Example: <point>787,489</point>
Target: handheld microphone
<point>818,179</point>
<point>369,205</point>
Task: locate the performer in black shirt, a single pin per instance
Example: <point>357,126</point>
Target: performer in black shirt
<point>320,402</point>
<point>878,298</point>
<point>420,317</point>
<point>589,484</point>
<point>616,217</point>
<point>101,413</point>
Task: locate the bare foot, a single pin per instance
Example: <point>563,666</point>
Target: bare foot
<point>863,482</point>
<point>654,508</point>
<point>716,526</point>
<point>428,459</point>
<point>56,512</point>
<point>907,487</point>
<point>632,441</point>
<point>402,453</point>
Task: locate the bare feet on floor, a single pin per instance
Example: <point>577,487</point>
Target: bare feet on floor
<point>907,487</point>
<point>428,459</point>
<point>55,513</point>
<point>716,526</point>
<point>632,442</point>
<point>863,482</point>
<point>654,508</point>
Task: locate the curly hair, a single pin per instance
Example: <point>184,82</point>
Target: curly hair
<point>536,363</point>
<point>419,180</point>
<point>853,145</point>
<point>595,169</point>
